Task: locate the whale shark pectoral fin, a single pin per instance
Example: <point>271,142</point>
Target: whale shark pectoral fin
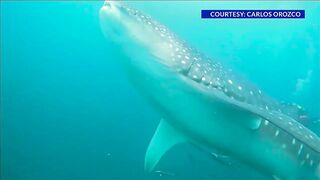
<point>254,123</point>
<point>163,139</point>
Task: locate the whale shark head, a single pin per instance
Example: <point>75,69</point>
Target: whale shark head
<point>130,28</point>
<point>115,20</point>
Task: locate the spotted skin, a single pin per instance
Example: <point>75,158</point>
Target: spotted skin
<point>212,75</point>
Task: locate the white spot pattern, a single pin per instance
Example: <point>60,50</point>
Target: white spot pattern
<point>199,68</point>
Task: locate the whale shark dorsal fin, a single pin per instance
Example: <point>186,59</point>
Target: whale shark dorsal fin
<point>163,139</point>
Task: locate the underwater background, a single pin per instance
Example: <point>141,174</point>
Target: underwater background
<point>69,112</point>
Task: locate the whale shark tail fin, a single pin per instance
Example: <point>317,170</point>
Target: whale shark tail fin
<point>163,139</point>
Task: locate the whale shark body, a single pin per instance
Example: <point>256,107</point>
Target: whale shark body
<point>205,103</point>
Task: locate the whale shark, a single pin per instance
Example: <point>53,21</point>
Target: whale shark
<point>205,103</point>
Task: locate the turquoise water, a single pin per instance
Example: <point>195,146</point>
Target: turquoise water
<point>69,112</point>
